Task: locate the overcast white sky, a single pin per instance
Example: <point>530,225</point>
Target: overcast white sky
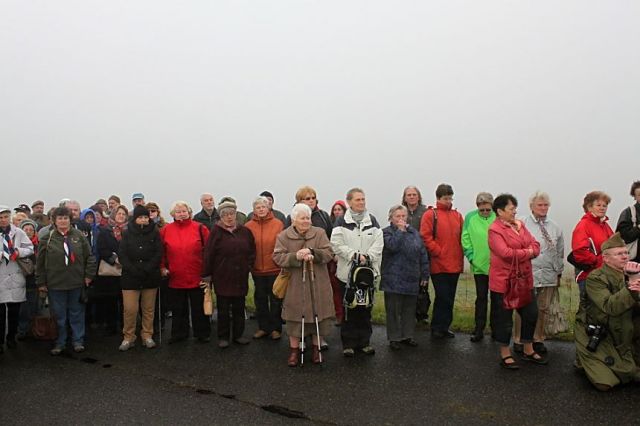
<point>234,97</point>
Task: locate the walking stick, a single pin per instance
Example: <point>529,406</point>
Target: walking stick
<point>302,342</point>
<point>313,304</point>
<point>159,315</point>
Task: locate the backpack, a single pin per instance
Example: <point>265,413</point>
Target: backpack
<point>360,289</point>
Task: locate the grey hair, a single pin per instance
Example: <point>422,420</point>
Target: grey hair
<point>300,208</point>
<point>67,202</point>
<point>353,191</point>
<point>539,195</point>
<point>206,194</point>
<point>177,204</point>
<point>394,209</point>
<point>483,198</point>
<point>260,200</point>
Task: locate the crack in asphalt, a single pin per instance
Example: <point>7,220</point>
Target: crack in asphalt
<point>270,408</point>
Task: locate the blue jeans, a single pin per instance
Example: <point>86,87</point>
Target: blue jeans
<point>66,304</point>
<point>28,310</point>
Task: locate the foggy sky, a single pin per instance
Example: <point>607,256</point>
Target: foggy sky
<point>235,97</point>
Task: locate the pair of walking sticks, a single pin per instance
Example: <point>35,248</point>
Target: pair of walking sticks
<point>307,269</point>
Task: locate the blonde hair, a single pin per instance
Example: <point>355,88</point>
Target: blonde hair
<point>305,191</point>
<point>177,204</point>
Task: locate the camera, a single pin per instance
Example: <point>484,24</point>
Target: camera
<point>596,334</point>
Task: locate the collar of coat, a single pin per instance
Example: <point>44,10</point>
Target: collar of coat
<point>292,234</point>
<point>348,218</point>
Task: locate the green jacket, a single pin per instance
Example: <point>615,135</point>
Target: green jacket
<point>609,303</point>
<point>475,241</point>
<point>51,269</point>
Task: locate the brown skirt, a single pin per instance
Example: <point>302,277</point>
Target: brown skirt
<point>294,328</point>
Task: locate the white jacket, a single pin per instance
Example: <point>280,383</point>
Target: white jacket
<point>12,282</point>
<point>550,264</point>
<point>348,238</point>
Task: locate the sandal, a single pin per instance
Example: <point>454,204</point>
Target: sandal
<point>509,365</point>
<point>535,358</point>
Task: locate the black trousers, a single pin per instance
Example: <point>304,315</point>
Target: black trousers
<point>268,307</point>
<point>230,309</point>
<point>184,302</point>
<point>445,286</point>
<point>9,312</point>
<point>482,300</point>
<point>503,320</point>
<point>356,328</point>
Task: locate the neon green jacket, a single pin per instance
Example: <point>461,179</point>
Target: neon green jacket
<point>475,241</point>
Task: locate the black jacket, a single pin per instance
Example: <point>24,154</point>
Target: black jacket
<point>629,231</point>
<point>207,220</point>
<point>319,218</point>
<point>140,254</point>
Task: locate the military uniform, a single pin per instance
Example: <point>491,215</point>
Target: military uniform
<point>609,303</point>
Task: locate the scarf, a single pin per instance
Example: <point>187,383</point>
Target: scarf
<point>358,217</point>
<point>8,251</point>
<point>69,255</point>
<point>545,234</point>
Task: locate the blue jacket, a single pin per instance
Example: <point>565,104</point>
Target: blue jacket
<point>404,261</point>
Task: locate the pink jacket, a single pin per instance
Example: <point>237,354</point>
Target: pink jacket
<point>506,244</point>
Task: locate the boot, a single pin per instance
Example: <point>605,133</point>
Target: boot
<point>315,354</point>
<point>294,357</point>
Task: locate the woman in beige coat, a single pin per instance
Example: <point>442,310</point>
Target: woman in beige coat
<point>298,244</point>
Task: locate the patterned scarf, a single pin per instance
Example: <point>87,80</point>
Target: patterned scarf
<point>8,251</point>
<point>545,234</point>
<point>69,255</point>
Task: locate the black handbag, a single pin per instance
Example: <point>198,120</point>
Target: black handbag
<point>423,304</point>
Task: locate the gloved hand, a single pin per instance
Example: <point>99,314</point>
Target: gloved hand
<point>203,284</point>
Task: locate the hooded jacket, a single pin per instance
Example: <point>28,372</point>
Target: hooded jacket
<point>348,239</point>
<point>140,253</point>
<point>475,241</point>
<point>265,232</point>
<point>445,249</point>
<point>599,231</point>
<point>183,245</point>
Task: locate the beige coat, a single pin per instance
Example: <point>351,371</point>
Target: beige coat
<point>287,244</point>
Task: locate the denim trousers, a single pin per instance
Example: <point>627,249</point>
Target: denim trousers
<point>67,307</point>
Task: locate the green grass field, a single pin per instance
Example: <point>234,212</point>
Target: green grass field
<point>464,306</point>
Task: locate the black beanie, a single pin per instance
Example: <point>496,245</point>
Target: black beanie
<point>267,194</point>
<point>140,211</point>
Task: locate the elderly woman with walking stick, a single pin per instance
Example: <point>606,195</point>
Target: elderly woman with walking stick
<point>304,251</point>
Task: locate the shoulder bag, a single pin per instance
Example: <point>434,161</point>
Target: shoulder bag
<point>518,293</point>
<point>281,284</point>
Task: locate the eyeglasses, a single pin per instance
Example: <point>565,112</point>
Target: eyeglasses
<point>152,210</point>
<point>620,254</point>
<point>484,210</point>
<point>309,198</point>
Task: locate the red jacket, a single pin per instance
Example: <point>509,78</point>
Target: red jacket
<point>599,231</point>
<point>445,250</point>
<point>183,243</point>
<point>265,232</point>
<point>506,244</point>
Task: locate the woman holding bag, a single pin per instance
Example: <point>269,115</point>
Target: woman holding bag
<point>512,247</point>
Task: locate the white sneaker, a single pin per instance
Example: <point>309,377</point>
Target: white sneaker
<point>126,345</point>
<point>149,343</point>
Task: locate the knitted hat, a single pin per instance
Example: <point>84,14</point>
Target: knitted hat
<point>140,211</point>
<point>225,206</point>
<point>614,241</point>
<point>226,199</point>
<point>28,222</point>
<point>340,203</point>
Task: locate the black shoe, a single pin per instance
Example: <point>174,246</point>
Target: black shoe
<point>448,334</point>
<point>477,336</point>
<point>241,341</point>
<point>204,339</point>
<point>409,342</point>
<point>540,348</point>
<point>394,346</point>
<point>518,347</point>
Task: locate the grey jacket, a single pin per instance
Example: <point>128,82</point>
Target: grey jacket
<point>550,264</point>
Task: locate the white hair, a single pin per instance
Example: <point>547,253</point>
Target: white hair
<point>394,209</point>
<point>206,194</point>
<point>261,200</point>
<point>300,208</point>
<point>177,204</point>
<point>539,195</point>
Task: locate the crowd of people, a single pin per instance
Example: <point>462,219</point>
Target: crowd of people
<point>107,266</point>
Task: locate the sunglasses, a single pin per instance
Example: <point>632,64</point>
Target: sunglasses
<point>484,210</point>
<point>309,198</point>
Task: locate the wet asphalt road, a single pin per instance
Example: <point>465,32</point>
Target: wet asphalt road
<point>439,382</point>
